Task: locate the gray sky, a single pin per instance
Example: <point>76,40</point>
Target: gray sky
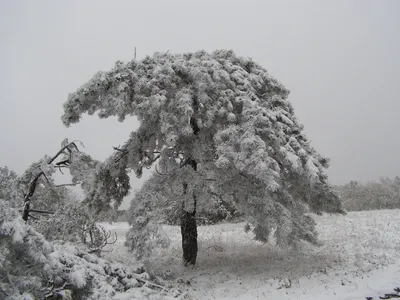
<point>340,59</point>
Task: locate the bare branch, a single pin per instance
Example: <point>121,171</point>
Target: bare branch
<point>41,211</point>
<point>59,167</point>
<point>68,184</point>
<point>105,236</point>
<point>119,158</point>
<point>62,151</point>
<point>47,179</point>
<point>65,162</point>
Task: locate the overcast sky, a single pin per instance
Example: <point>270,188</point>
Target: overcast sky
<point>340,59</point>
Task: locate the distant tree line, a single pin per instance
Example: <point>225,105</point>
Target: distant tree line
<point>382,194</point>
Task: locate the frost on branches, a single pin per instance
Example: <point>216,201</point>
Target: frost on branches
<point>212,123</point>
<point>34,268</point>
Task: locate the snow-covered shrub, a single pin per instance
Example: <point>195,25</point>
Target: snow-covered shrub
<point>33,268</point>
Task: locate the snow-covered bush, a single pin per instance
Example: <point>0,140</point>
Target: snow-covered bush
<point>33,268</point>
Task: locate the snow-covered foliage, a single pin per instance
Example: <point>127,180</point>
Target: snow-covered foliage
<point>61,217</point>
<point>74,222</point>
<point>158,192</point>
<point>37,188</point>
<point>47,195</point>
<point>231,118</point>
<point>155,203</point>
<point>33,268</point>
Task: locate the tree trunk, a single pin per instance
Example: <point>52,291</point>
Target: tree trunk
<point>189,227</point>
<point>25,212</point>
<point>189,237</point>
<point>188,219</point>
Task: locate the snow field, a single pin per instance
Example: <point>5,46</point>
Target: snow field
<point>360,257</point>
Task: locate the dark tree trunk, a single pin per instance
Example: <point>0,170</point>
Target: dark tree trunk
<point>188,219</point>
<point>189,227</point>
<point>25,212</point>
<point>189,237</point>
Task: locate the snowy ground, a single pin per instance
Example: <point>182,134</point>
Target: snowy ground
<point>360,257</point>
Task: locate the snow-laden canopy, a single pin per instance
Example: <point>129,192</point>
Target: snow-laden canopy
<point>228,115</point>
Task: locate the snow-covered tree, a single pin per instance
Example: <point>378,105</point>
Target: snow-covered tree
<point>211,121</point>
<point>52,209</point>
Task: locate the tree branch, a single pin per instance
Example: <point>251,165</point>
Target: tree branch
<point>41,211</point>
<point>65,162</point>
<point>68,184</point>
<point>119,158</point>
<point>33,184</point>
<point>72,144</point>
